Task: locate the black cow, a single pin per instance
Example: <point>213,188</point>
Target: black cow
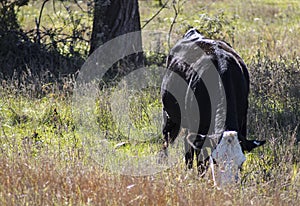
<point>190,86</point>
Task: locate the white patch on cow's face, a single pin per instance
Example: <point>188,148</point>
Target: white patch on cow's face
<point>229,158</point>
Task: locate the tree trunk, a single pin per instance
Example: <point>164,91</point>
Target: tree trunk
<point>113,18</point>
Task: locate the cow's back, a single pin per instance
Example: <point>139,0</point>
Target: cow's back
<point>189,61</point>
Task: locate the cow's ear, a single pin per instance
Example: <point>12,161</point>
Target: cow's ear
<point>251,144</point>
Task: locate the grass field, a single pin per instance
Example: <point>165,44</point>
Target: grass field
<point>47,158</point>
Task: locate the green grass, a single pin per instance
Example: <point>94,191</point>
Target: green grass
<point>270,26</point>
<point>47,158</point>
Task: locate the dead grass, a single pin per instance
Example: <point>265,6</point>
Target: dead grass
<point>46,181</point>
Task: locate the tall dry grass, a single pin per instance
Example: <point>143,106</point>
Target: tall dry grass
<point>47,181</point>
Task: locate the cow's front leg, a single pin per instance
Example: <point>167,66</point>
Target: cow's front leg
<point>189,154</point>
<point>202,164</point>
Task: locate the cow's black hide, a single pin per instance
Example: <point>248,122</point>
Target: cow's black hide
<point>190,83</point>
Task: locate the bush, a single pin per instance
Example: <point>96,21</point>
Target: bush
<point>275,94</point>
<point>41,53</point>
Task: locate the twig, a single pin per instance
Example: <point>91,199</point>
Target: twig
<point>76,2</point>
<point>173,22</point>
<point>156,14</point>
<point>211,161</point>
<point>38,23</point>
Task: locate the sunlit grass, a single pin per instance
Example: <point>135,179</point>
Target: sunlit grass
<point>269,26</point>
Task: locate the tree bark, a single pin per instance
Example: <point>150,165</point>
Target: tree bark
<point>113,18</point>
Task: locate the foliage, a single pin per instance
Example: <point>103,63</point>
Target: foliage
<point>8,14</point>
<point>37,49</point>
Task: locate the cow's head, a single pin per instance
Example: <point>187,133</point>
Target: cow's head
<point>229,158</point>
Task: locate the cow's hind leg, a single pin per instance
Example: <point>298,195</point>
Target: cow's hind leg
<point>170,132</point>
<point>170,129</point>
